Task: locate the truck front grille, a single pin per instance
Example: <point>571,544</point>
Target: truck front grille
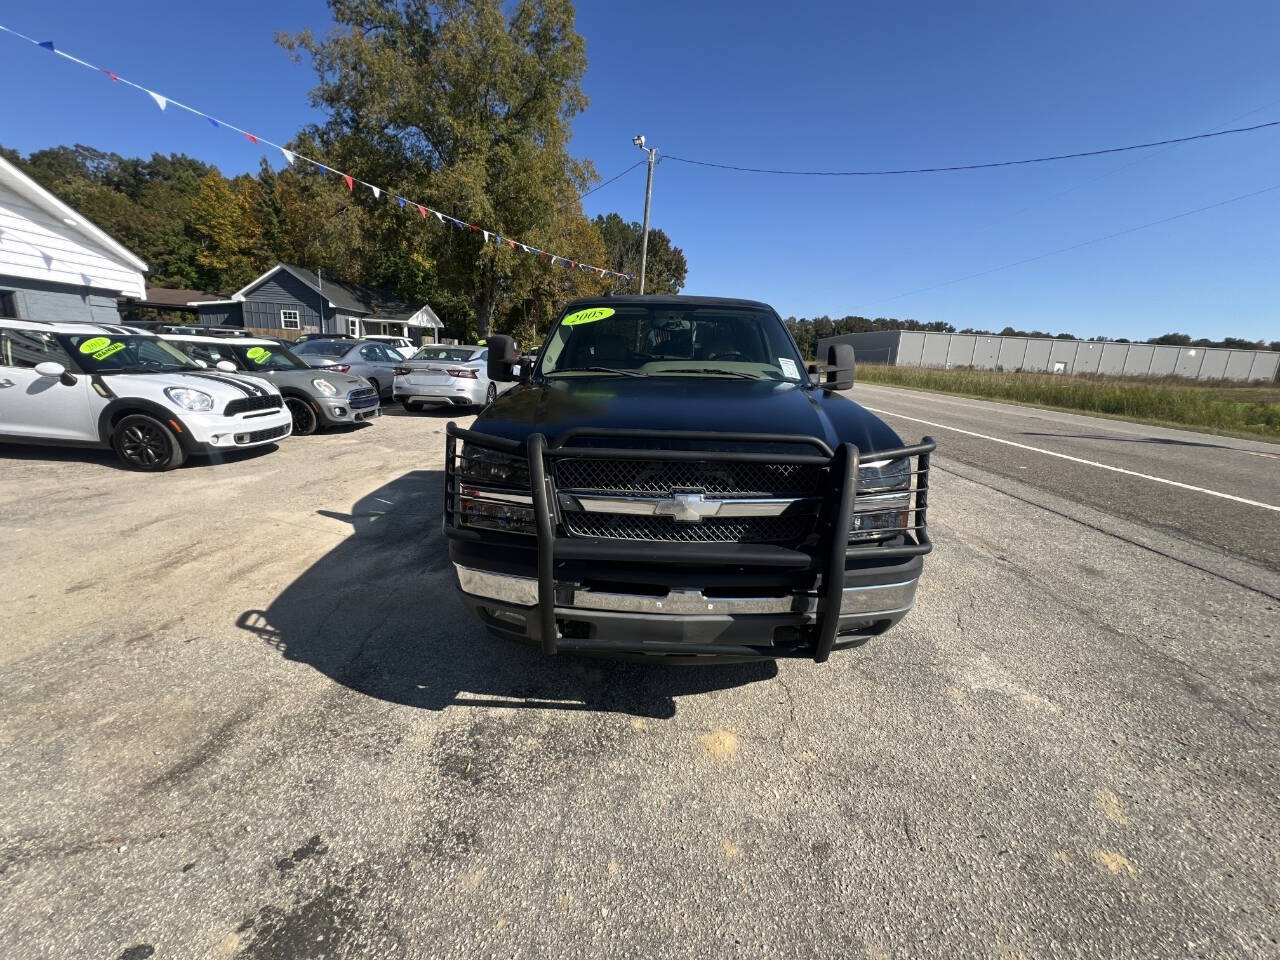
<point>661,477</point>
<point>617,526</point>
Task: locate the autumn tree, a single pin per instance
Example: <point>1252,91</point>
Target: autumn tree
<point>464,105</point>
<point>665,265</point>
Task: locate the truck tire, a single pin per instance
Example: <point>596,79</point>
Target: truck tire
<point>145,443</point>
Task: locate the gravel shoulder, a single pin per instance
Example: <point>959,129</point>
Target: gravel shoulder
<point>245,716</point>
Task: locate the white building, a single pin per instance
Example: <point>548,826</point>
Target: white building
<point>55,264</point>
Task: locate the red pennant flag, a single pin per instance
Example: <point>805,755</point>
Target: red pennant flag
<point>114,78</point>
<point>422,211</point>
<point>512,243</point>
<point>474,227</point>
<point>350,183</point>
<point>251,138</point>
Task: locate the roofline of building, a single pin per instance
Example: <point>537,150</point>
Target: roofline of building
<point>77,221</point>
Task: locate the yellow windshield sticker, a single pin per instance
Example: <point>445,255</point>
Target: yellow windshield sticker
<point>258,354</point>
<point>108,351</point>
<point>587,316</point>
<point>94,344</point>
<point>101,347</point>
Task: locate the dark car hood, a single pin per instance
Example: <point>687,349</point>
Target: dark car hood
<point>712,404</point>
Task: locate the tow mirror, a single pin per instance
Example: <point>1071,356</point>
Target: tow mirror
<point>502,359</point>
<point>226,366</point>
<point>840,367</point>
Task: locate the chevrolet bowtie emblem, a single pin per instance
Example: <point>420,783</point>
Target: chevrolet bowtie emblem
<point>688,507</point>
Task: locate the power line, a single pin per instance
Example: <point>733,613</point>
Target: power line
<point>976,166</point>
<point>1077,246</point>
<point>611,180</point>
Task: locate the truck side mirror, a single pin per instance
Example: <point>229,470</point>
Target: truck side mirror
<point>502,359</point>
<point>840,367</point>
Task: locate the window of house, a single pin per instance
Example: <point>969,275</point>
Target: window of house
<point>290,320</point>
<point>353,326</point>
<point>8,304</point>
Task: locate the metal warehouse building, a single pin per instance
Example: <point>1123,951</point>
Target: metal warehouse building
<point>911,348</point>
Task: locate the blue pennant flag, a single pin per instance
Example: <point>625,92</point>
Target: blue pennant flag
<point>400,200</point>
<point>213,121</point>
<point>48,45</point>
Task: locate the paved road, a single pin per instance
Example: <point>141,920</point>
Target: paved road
<point>244,716</point>
<point>1045,449</point>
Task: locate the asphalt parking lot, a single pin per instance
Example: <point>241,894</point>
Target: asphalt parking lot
<point>245,716</point>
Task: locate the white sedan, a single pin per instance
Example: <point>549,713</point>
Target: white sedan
<point>442,375</point>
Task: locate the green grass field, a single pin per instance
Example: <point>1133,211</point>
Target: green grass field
<point>1251,410</point>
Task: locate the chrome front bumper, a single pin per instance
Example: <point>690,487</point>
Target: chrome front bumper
<point>863,602</point>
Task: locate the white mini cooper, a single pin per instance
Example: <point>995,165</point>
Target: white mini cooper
<point>100,385</point>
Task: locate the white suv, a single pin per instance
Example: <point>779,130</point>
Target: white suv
<point>99,385</point>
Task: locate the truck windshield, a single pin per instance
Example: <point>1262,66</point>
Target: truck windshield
<point>124,353</point>
<point>665,341</point>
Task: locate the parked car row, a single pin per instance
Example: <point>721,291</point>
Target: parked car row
<point>158,398</point>
<point>99,385</point>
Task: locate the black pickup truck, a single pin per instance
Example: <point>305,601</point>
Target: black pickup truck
<point>670,480</point>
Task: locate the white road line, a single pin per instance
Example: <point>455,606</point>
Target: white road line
<point>1090,463</point>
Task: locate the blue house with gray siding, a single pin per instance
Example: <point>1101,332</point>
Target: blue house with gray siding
<point>56,265</point>
<point>289,300</point>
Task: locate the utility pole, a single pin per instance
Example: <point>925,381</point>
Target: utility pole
<point>648,197</point>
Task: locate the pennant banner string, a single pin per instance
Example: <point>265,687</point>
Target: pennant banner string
<point>291,157</point>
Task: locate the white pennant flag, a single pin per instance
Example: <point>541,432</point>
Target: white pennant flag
<point>376,192</point>
<point>486,235</point>
<point>288,156</point>
<point>439,215</point>
<point>524,248</point>
<point>161,102</point>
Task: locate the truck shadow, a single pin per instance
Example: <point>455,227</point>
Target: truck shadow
<point>379,614</point>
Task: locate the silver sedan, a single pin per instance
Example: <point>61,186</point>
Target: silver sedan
<point>374,361</point>
<point>443,375</point>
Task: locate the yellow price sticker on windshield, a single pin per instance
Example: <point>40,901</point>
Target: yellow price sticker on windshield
<point>94,344</point>
<point>587,316</point>
<point>101,347</point>
<point>258,354</point>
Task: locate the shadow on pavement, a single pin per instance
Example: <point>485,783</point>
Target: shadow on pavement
<point>379,614</point>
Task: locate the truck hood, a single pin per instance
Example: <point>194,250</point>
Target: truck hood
<point>714,404</point>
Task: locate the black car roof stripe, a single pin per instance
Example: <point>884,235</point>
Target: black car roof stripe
<point>226,381</point>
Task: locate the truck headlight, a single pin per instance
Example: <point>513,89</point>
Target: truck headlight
<point>493,466</point>
<point>325,387</point>
<point>496,510</point>
<point>882,508</point>
<point>197,401</point>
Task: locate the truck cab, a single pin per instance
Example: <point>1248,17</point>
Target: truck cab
<point>671,480</point>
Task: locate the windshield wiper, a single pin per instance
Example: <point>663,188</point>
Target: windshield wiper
<point>716,370</point>
<point>621,373</point>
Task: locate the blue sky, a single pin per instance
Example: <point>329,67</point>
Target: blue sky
<point>826,86</point>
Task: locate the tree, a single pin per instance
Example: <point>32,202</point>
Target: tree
<point>665,265</point>
<point>1173,339</point>
<point>464,104</point>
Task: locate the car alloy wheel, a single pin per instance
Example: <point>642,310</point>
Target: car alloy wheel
<point>492,393</point>
<point>304,418</point>
<point>376,389</point>
<point>147,444</point>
